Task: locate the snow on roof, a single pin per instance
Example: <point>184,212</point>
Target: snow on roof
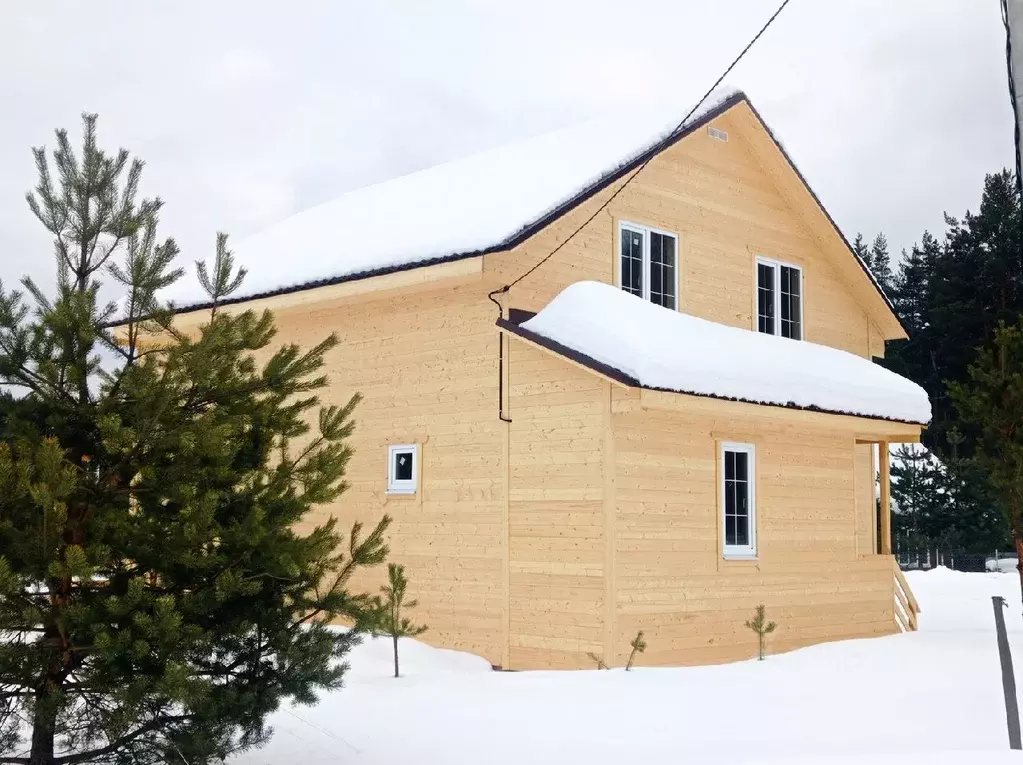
<point>462,207</point>
<point>667,350</point>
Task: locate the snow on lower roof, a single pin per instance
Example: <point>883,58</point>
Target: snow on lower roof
<point>462,207</point>
<point>668,350</point>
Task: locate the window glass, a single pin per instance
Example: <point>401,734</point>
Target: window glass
<point>791,320</point>
<point>737,500</point>
<point>402,475</point>
<point>662,269</point>
<point>649,264</point>
<point>765,298</point>
<point>403,466</point>
<point>632,261</point>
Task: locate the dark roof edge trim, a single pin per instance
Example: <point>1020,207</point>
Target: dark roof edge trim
<point>355,277</point>
<point>625,379</point>
<point>512,241</point>
<point>570,353</point>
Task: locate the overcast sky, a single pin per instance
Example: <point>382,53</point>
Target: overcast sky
<point>246,112</point>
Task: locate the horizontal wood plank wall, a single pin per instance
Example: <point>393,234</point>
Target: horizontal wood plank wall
<point>556,511</point>
<point>426,365</point>
<point>726,211</point>
<point>671,580</point>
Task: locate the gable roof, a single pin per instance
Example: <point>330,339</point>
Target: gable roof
<point>481,204</point>
<point>640,344</point>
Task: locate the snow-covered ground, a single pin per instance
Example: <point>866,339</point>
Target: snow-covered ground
<point>932,697</point>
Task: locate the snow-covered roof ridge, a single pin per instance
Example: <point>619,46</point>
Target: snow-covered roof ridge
<point>662,349</point>
<point>484,202</point>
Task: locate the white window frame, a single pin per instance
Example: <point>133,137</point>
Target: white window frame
<point>777,264</point>
<point>739,552</point>
<point>624,225</point>
<point>395,486</point>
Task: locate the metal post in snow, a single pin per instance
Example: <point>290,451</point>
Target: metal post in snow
<point>1008,676</point>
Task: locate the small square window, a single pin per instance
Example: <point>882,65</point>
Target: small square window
<point>402,469</point>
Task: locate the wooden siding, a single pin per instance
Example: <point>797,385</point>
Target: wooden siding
<point>426,364</point>
<point>557,556</point>
<point>614,526</point>
<point>726,210</point>
<point>672,581</point>
<point>591,515</point>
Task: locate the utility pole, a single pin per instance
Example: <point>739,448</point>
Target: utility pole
<point>1012,16</point>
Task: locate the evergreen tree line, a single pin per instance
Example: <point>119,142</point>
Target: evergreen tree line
<point>951,295</point>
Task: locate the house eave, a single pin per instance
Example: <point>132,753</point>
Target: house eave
<point>663,398</point>
<point>509,242</point>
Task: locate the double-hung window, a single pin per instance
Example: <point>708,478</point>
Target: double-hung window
<point>738,500</point>
<point>649,264</point>
<point>779,299</point>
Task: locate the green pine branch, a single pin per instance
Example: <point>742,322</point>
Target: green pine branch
<point>390,619</point>
<point>165,584</point>
<point>761,627</point>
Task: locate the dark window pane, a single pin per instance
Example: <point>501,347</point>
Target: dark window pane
<point>738,480</point>
<point>662,270</point>
<point>742,530</point>
<point>656,272</point>
<point>403,466</point>
<point>765,298</point>
<point>632,261</point>
<point>791,319</point>
<point>740,466</point>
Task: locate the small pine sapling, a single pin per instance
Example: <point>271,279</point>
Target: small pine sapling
<point>761,626</point>
<point>638,646</point>
<point>597,660</point>
<point>391,621</point>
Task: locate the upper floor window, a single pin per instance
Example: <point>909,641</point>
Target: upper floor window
<point>779,299</point>
<point>649,264</point>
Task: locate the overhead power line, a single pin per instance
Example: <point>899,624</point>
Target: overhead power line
<point>654,151</point>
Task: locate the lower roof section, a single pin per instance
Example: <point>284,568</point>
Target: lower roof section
<point>642,345</point>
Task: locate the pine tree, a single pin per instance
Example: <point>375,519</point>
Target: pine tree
<point>157,599</point>
<point>391,621</point>
<point>761,627</point>
<point>976,283</point>
<point>863,251</point>
<point>950,295</point>
<point>638,645</point>
<point>913,487</point>
<point>991,404</point>
<point>880,263</point>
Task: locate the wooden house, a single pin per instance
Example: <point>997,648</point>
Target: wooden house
<point>686,428</point>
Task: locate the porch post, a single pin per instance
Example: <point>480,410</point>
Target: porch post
<point>886,498</point>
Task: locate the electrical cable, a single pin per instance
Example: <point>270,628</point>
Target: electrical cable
<point>652,152</point>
